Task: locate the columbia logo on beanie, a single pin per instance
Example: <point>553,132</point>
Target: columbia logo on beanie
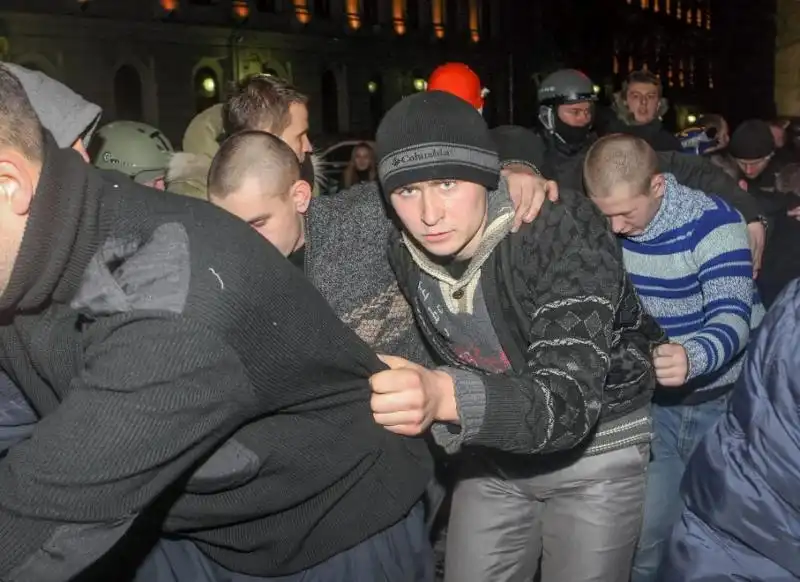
<point>435,136</point>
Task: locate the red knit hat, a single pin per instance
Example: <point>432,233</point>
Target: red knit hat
<point>460,80</point>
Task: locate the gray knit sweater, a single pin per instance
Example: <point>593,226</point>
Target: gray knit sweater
<point>346,259</point>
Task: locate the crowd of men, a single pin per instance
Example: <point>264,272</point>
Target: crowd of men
<point>211,374</point>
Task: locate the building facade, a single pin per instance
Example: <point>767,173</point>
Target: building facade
<point>787,58</point>
<point>162,61</point>
<point>711,55</point>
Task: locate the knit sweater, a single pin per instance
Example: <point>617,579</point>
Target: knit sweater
<point>346,260</point>
<point>169,349</point>
<point>693,270</point>
<point>569,324</point>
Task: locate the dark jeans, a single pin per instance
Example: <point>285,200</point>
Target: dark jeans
<point>676,432</point>
<point>401,553</point>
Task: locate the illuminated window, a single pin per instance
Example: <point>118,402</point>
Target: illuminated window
<point>678,11</point>
<point>656,5</point>
<point>169,5</point>
<point>710,76</point>
<point>206,89</point>
<point>353,16</point>
<point>437,18</point>
<point>670,80</point>
<point>698,17</point>
<point>708,19</point>
<point>689,16</point>
<point>645,4</point>
<point>474,33</point>
<point>681,75</point>
<point>616,65</point>
<point>398,16</point>
<point>301,11</point>
<point>668,7</point>
<point>630,64</point>
<point>240,9</point>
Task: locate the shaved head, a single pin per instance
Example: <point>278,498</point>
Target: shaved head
<point>617,160</point>
<point>253,156</point>
<point>256,177</point>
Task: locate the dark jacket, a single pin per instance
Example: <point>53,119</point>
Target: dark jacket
<point>167,346</point>
<point>653,133</point>
<point>742,516</point>
<point>569,321</point>
<point>525,146</point>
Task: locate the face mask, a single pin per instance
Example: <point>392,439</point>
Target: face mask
<point>572,135</point>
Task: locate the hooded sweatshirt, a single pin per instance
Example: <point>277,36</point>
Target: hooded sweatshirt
<point>63,112</point>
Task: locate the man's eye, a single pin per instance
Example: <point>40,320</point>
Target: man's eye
<point>258,223</point>
<point>447,185</point>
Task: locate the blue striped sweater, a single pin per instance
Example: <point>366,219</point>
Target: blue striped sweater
<point>693,270</point>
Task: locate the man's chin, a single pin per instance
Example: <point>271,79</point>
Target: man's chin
<point>438,249</point>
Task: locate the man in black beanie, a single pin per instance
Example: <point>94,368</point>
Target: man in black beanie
<point>191,383</point>
<point>546,376</point>
<point>752,147</point>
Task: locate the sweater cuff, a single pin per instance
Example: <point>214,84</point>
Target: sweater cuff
<point>470,395</point>
<point>697,355</point>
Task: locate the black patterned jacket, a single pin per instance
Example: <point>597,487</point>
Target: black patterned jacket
<point>572,326</point>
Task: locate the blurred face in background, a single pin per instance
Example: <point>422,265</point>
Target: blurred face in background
<point>362,158</point>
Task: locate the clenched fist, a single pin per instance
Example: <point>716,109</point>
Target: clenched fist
<point>407,398</point>
<point>672,364</point>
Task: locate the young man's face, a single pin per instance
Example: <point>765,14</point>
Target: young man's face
<point>446,217</point>
<point>753,168</point>
<point>576,114</point>
<point>276,217</point>
<point>296,133</point>
<point>630,210</point>
<point>643,100</point>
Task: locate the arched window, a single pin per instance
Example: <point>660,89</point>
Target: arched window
<point>330,103</point>
<point>128,94</point>
<point>206,89</point>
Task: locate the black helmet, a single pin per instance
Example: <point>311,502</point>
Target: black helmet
<point>561,88</point>
<point>566,86</point>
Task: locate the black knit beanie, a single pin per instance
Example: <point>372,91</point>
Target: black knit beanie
<point>434,136</point>
<point>752,140</point>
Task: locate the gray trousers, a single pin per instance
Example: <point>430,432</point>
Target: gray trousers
<point>582,520</point>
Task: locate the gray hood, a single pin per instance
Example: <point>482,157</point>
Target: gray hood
<point>64,113</point>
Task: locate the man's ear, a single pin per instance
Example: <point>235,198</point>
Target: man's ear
<point>81,149</point>
<point>657,185</point>
<point>301,195</point>
<point>17,183</point>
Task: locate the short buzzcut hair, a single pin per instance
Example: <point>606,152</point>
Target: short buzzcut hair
<point>20,128</point>
<point>619,159</point>
<point>252,154</point>
<point>261,102</point>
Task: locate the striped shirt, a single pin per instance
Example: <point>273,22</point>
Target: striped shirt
<point>693,270</point>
